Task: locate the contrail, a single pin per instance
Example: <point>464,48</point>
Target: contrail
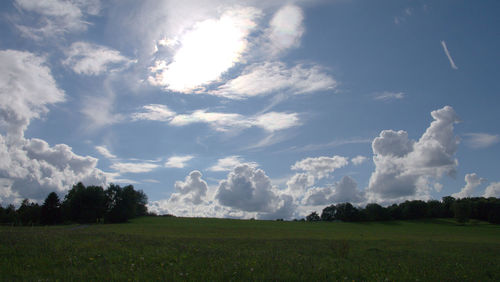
<point>452,63</point>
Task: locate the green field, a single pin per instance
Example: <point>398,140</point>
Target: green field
<point>159,248</point>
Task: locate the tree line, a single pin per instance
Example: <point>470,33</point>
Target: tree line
<point>82,204</point>
<point>478,208</point>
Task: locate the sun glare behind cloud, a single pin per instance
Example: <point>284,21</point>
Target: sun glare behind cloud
<point>206,51</point>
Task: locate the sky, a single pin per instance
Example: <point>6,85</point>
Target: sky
<point>250,109</point>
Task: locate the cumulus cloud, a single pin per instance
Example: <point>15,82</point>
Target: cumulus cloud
<point>248,189</point>
<point>91,59</point>
<point>126,167</point>
<point>481,140</point>
<point>264,78</point>
<point>192,190</point>
<point>27,88</point>
<point>320,167</point>
<point>359,160</point>
<point>246,193</point>
<point>472,181</point>
<point>208,49</point>
<point>298,184</point>
<point>346,190</point>
<point>229,163</point>
<point>31,168</point>
<point>55,17</point>
<point>271,121</point>
<point>178,161</point>
<point>493,190</point>
<point>404,168</point>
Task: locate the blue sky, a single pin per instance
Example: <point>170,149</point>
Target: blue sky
<point>266,109</point>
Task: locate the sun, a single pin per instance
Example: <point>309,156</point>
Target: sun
<point>205,51</point>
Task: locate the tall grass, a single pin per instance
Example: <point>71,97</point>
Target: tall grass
<point>181,249</point>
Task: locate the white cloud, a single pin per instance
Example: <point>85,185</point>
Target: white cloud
<point>472,181</point>
<point>27,88</point>
<point>404,168</point>
<point>481,140</point>
<point>208,49</point>
<point>274,121</point>
<point>31,168</point>
<point>123,167</point>
<point>247,189</point>
<point>386,96</point>
<point>99,110</point>
<point>450,59</point>
<point>91,59</point>
<point>56,17</point>
<point>178,161</point>
<point>359,160</point>
<point>298,184</point>
<point>271,122</point>
<point>192,190</point>
<point>320,167</point>
<point>154,112</point>
<point>229,163</point>
<point>219,121</point>
<point>265,78</point>
<point>346,190</point>
<point>285,29</point>
<point>105,152</point>
<point>493,190</point>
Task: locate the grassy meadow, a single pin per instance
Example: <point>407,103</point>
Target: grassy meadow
<point>161,248</point>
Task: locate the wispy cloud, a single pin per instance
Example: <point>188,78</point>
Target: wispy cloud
<point>133,167</point>
<point>386,96</point>
<point>91,59</point>
<point>105,152</point>
<point>229,163</point>
<point>271,121</point>
<point>359,160</point>
<point>264,78</point>
<point>445,48</point>
<point>481,140</point>
<point>335,143</point>
<point>178,161</point>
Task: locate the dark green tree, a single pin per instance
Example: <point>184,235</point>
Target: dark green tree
<point>462,210</point>
<point>375,212</point>
<point>328,213</point>
<point>51,210</point>
<point>85,204</point>
<point>313,217</point>
<point>346,212</point>
<point>448,206</point>
<point>28,213</point>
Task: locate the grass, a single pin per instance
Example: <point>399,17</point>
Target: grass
<point>222,249</point>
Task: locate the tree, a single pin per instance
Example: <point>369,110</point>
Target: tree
<point>414,209</point>
<point>313,217</point>
<point>462,209</point>
<point>376,212</point>
<point>346,212</point>
<point>448,206</point>
<point>84,204</point>
<point>28,213</point>
<point>328,213</point>
<point>51,210</point>
<point>435,209</point>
